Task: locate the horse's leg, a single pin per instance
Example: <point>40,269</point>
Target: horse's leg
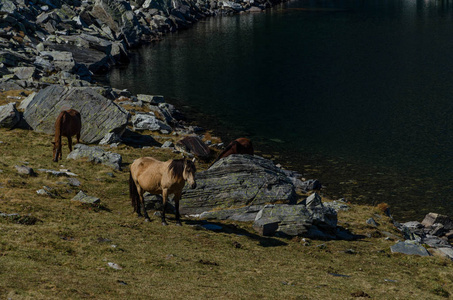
<point>70,143</point>
<point>164,205</point>
<point>177,215</point>
<point>78,137</point>
<point>138,205</point>
<point>60,151</point>
<point>142,204</point>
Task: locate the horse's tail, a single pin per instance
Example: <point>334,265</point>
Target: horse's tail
<point>133,193</point>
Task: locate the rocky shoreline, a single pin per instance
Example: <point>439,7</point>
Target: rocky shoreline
<point>67,42</point>
<point>54,48</point>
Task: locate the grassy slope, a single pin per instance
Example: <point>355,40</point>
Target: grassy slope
<point>66,254</point>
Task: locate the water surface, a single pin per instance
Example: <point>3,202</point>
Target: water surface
<point>355,93</point>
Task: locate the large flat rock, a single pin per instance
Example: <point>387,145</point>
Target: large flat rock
<point>99,114</point>
<point>235,181</point>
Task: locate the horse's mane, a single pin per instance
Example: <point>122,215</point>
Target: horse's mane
<point>176,167</point>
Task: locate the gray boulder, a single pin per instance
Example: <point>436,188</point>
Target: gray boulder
<point>445,252</point>
<point>433,218</point>
<point>63,60</point>
<point>296,220</point>
<point>7,7</point>
<point>24,170</point>
<point>94,60</point>
<point>96,155</point>
<point>410,248</point>
<point>99,115</point>
<point>148,121</point>
<point>151,99</point>
<point>236,181</point>
<point>25,73</point>
<point>194,145</point>
<point>120,18</point>
<point>9,116</point>
<point>84,198</point>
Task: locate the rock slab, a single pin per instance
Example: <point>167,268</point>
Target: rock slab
<point>236,181</point>
<point>99,114</point>
<point>96,155</point>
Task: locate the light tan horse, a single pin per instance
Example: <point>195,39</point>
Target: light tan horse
<point>156,177</point>
<point>68,123</point>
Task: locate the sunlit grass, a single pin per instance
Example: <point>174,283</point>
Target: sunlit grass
<point>65,255</point>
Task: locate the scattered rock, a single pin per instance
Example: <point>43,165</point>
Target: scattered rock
<point>409,248</point>
<point>433,218</point>
<point>144,121</point>
<point>297,220</point>
<point>96,155</point>
<point>9,116</point>
<point>114,266</point>
<point>110,138</point>
<point>25,170</point>
<point>372,222</point>
<point>313,200</point>
<point>168,144</point>
<point>84,198</point>
<point>151,99</point>
<point>47,191</point>
<point>193,144</point>
<point>57,173</point>
<point>74,182</point>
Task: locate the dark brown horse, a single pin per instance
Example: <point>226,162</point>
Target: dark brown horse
<point>68,123</point>
<point>156,177</point>
<point>238,146</point>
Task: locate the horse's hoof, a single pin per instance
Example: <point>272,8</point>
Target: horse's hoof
<point>178,224</point>
<point>147,220</point>
<point>164,223</point>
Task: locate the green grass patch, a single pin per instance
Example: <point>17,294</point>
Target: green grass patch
<point>65,253</point>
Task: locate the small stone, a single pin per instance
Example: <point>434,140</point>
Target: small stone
<point>84,198</point>
<point>167,144</point>
<point>25,170</point>
<point>74,182</point>
<point>372,222</point>
<point>114,266</point>
<point>314,200</point>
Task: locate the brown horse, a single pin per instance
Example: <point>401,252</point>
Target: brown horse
<point>68,123</point>
<point>238,146</point>
<point>156,177</point>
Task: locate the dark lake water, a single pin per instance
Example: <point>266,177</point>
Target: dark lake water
<point>358,94</point>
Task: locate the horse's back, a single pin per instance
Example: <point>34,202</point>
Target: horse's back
<point>154,175</point>
<point>238,146</point>
<point>147,172</point>
<point>246,146</point>
<point>69,122</point>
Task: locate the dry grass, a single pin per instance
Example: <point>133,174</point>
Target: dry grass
<point>65,255</point>
<point>13,96</point>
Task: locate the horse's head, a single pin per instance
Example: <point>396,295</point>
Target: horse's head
<point>189,172</point>
<point>56,151</point>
